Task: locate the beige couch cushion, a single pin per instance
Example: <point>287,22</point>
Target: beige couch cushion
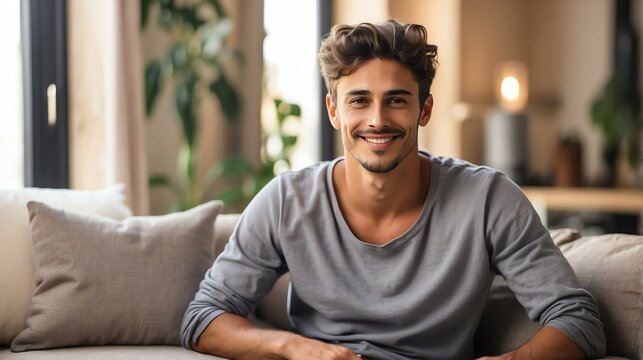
<point>224,225</point>
<point>17,279</point>
<point>611,268</point>
<point>563,236</point>
<point>102,281</point>
<point>110,353</point>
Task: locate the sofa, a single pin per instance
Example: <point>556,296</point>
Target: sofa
<point>78,280</point>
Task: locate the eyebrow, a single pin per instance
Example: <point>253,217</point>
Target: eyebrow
<point>386,93</point>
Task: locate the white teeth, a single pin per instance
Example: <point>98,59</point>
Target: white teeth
<point>378,140</point>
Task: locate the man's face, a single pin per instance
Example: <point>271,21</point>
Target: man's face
<point>378,112</point>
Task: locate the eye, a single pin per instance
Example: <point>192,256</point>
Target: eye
<point>358,100</point>
<point>396,100</point>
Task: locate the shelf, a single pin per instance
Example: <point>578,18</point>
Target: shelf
<point>621,201</point>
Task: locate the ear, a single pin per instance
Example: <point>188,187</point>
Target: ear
<point>332,112</point>
<point>427,108</point>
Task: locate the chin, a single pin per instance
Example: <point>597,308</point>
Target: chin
<point>379,167</point>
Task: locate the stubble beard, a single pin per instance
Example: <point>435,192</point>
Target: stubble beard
<point>381,166</point>
<point>384,167</point>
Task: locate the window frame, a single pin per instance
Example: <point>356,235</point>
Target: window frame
<point>44,44</point>
<point>324,21</point>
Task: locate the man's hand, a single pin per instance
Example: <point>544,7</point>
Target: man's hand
<point>303,348</point>
<point>548,344</point>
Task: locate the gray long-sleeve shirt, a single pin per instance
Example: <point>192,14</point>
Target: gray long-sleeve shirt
<point>421,295</point>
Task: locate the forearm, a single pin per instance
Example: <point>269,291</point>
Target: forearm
<point>235,337</point>
<point>549,343</point>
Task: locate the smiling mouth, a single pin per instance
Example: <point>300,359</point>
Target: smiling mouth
<point>379,140</point>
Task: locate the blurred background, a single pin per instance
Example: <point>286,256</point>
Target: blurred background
<point>186,101</point>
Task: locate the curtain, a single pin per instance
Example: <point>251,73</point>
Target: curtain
<point>107,132</point>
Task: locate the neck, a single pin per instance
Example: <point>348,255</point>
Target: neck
<point>379,195</point>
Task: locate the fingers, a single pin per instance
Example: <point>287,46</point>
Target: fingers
<point>317,350</point>
<point>340,353</point>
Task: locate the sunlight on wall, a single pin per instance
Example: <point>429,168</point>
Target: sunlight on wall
<point>11,121</point>
<point>291,70</point>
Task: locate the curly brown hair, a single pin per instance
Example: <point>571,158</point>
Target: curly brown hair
<point>347,46</point>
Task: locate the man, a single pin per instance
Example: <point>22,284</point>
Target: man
<point>391,251</point>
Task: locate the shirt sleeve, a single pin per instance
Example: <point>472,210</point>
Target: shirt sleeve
<point>245,271</point>
<point>523,252</point>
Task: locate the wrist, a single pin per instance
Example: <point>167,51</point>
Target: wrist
<point>281,342</point>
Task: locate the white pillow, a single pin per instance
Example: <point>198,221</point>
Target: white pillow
<point>17,277</point>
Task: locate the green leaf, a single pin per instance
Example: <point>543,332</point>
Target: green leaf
<point>289,141</point>
<point>159,180</point>
<point>227,96</point>
<point>285,109</point>
<point>267,170</point>
<point>188,16</point>
<point>277,103</point>
<point>185,103</point>
<point>187,166</point>
<point>152,84</point>
<point>231,167</point>
<point>295,110</point>
<point>145,11</point>
<point>214,36</point>
<point>231,195</point>
<point>218,8</point>
<point>163,181</point>
<point>166,15</point>
<point>180,56</point>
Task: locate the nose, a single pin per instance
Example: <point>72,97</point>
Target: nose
<point>377,118</point>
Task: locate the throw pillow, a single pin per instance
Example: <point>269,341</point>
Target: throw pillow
<point>610,267</point>
<point>17,279</point>
<point>563,236</point>
<point>101,281</point>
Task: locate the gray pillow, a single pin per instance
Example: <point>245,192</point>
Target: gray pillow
<point>102,281</point>
<point>610,267</point>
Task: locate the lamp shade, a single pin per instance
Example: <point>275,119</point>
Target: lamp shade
<point>511,86</point>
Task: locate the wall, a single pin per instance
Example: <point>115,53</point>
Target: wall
<point>86,103</point>
<point>357,11</point>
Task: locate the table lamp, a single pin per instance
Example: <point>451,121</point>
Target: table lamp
<point>506,124</point>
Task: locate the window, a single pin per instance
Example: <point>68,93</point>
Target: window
<point>293,32</point>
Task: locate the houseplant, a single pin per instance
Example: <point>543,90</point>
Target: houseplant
<point>617,113</point>
<point>244,180</point>
<point>616,110</point>
<point>194,66</point>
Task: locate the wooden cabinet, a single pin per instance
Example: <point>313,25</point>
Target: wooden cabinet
<point>620,201</point>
